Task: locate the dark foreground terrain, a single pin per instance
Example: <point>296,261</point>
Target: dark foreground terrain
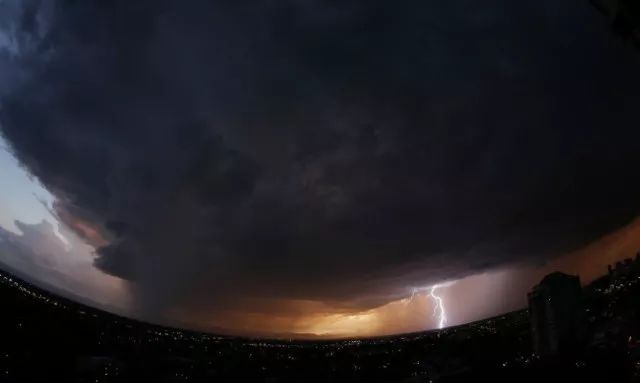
<point>46,338</point>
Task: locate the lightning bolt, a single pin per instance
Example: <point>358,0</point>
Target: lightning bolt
<point>438,310</point>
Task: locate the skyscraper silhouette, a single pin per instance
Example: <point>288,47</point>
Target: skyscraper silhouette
<point>556,315</point>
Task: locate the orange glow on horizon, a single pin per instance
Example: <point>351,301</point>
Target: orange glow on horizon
<point>412,313</point>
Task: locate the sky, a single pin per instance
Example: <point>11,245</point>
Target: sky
<point>311,167</point>
<point>23,198</point>
<point>35,244</point>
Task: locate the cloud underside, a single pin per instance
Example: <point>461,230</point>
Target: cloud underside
<point>342,152</point>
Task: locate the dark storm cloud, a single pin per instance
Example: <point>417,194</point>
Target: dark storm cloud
<point>341,151</point>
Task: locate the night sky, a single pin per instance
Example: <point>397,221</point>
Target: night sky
<point>305,166</point>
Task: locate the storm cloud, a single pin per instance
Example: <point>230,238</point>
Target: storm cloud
<point>224,152</point>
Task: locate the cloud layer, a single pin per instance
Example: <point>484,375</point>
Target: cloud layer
<point>344,152</point>
<point>39,254</point>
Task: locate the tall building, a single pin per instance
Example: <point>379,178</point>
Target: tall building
<point>556,315</point>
